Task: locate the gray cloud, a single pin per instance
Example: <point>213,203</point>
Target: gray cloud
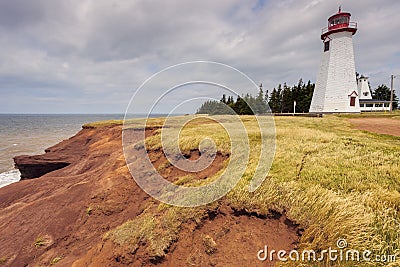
<point>19,13</point>
<point>90,56</point>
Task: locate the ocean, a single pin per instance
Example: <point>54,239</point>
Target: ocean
<point>23,134</point>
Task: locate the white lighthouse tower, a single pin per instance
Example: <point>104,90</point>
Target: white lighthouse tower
<point>336,87</point>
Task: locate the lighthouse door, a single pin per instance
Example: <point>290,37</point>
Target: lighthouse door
<point>352,101</point>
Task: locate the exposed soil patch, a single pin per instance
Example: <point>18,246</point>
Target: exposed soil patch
<point>172,173</point>
<point>378,125</point>
<point>225,237</point>
<point>232,238</point>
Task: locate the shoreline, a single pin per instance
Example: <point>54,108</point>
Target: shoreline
<point>9,177</point>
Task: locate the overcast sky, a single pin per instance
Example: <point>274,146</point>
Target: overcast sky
<point>89,56</point>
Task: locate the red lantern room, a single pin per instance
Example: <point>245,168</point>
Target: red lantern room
<point>338,23</point>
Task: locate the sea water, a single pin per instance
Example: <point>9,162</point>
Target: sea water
<point>30,134</point>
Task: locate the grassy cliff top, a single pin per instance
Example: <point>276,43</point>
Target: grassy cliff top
<point>333,180</point>
<point>159,121</point>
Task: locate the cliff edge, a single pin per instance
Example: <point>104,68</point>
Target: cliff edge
<point>83,195</point>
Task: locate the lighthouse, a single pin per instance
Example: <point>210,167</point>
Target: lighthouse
<point>336,88</point>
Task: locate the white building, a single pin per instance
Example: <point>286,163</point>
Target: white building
<point>364,90</point>
<point>336,87</point>
<point>366,101</point>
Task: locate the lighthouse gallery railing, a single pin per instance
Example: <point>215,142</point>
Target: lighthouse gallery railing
<point>351,25</point>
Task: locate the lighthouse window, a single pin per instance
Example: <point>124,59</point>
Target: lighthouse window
<point>326,46</point>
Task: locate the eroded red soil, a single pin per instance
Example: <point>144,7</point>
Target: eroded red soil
<point>65,213</point>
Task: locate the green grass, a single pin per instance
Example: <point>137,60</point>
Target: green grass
<point>335,181</point>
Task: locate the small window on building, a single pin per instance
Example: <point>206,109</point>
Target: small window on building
<point>387,105</point>
<point>379,105</point>
<point>326,46</point>
<point>352,101</point>
<point>370,105</point>
<point>366,93</point>
<point>362,105</point>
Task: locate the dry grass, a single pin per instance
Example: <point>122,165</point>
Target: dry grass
<point>55,260</point>
<point>102,124</point>
<point>3,260</point>
<point>384,114</point>
<point>209,244</point>
<point>157,230</point>
<point>41,240</point>
<point>335,181</point>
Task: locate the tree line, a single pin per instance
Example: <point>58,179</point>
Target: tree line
<point>243,105</point>
<point>283,99</point>
<point>280,101</point>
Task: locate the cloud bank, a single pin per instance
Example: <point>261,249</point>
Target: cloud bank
<point>90,56</point>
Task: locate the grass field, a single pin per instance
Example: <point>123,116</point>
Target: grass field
<point>333,180</point>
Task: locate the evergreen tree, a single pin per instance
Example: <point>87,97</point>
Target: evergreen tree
<point>287,100</point>
<point>230,100</point>
<point>223,99</point>
<point>307,91</point>
<point>266,101</point>
<point>382,92</point>
<point>274,101</point>
<point>260,103</point>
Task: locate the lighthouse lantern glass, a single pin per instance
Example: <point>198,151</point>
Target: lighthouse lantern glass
<point>339,20</point>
